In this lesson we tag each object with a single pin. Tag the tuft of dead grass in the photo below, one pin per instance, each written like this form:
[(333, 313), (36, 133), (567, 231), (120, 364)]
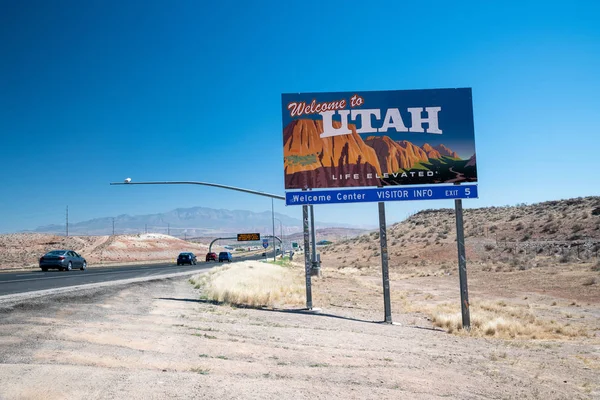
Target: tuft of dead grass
[(252, 284), (499, 320)]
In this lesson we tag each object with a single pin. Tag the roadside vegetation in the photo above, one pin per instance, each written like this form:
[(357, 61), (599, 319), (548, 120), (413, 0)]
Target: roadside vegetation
[(252, 284), (536, 266), (501, 320)]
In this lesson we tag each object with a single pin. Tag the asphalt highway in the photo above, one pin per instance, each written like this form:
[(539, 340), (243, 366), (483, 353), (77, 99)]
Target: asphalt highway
[(30, 281), (21, 282)]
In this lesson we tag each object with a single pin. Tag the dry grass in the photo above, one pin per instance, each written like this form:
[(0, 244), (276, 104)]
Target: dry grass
[(497, 319), (252, 284)]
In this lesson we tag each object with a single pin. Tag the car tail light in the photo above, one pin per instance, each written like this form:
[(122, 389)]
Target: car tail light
[(61, 257)]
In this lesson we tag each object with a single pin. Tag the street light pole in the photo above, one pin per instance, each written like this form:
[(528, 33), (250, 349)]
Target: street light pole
[(281, 233), (273, 220), (273, 196)]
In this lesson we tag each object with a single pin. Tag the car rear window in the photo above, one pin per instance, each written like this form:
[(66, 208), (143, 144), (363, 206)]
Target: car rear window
[(55, 253)]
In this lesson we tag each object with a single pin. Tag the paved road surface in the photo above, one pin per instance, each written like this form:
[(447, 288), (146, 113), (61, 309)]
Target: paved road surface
[(21, 282), (29, 281)]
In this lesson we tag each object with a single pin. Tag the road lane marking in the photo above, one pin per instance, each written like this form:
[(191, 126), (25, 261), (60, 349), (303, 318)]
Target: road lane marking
[(68, 276), (65, 289), (33, 273)]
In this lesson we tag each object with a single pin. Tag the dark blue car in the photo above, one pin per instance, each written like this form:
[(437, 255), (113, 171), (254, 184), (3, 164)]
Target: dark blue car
[(63, 260), (186, 258)]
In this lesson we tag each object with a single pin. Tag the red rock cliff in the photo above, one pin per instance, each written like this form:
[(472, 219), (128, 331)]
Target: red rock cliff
[(308, 156)]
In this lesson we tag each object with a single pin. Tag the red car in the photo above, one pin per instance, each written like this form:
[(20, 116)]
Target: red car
[(211, 257)]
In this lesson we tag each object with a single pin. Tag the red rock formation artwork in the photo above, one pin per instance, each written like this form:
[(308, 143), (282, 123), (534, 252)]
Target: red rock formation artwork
[(337, 161)]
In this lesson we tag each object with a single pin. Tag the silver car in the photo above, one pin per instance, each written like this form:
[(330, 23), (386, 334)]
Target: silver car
[(63, 260)]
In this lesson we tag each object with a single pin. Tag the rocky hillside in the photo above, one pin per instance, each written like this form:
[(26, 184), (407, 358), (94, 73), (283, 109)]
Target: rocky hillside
[(519, 236)]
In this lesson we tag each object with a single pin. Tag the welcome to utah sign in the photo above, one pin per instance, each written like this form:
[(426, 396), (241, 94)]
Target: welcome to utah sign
[(383, 138)]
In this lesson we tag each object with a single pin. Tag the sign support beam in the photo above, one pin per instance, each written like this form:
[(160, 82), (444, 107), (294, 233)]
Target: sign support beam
[(307, 263), (462, 265), (384, 264), (313, 240)]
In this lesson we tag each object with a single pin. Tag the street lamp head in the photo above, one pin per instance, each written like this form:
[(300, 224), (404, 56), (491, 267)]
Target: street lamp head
[(128, 180)]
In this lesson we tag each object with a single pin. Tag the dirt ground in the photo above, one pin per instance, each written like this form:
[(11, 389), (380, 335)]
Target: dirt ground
[(157, 340)]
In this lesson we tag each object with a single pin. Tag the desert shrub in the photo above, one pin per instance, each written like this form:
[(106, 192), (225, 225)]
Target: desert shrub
[(519, 226), (589, 281), (565, 258), (489, 246), (576, 228), (547, 228)]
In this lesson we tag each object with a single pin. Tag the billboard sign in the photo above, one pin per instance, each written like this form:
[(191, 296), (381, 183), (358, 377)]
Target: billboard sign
[(247, 237), (369, 195), (378, 138)]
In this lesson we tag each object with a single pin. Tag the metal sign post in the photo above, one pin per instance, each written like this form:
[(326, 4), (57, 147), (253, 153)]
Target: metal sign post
[(384, 264), (307, 263), (462, 265), (313, 239)]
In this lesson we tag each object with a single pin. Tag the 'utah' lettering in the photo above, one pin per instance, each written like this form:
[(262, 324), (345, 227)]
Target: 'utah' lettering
[(391, 120)]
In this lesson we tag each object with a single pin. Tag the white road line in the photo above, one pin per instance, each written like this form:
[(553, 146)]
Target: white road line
[(37, 293), (67, 275)]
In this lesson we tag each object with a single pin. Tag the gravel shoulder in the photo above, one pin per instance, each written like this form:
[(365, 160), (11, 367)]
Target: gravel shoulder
[(157, 340)]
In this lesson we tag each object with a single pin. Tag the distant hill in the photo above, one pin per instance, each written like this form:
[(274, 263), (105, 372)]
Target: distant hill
[(187, 222), (329, 234), (522, 235)]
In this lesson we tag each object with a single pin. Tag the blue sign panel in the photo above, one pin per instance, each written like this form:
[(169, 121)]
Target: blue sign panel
[(381, 194), (265, 243)]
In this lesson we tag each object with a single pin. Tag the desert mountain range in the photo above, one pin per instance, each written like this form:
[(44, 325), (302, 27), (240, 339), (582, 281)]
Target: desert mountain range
[(187, 222)]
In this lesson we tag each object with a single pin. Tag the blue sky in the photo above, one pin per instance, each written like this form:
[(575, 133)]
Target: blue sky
[(96, 91)]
